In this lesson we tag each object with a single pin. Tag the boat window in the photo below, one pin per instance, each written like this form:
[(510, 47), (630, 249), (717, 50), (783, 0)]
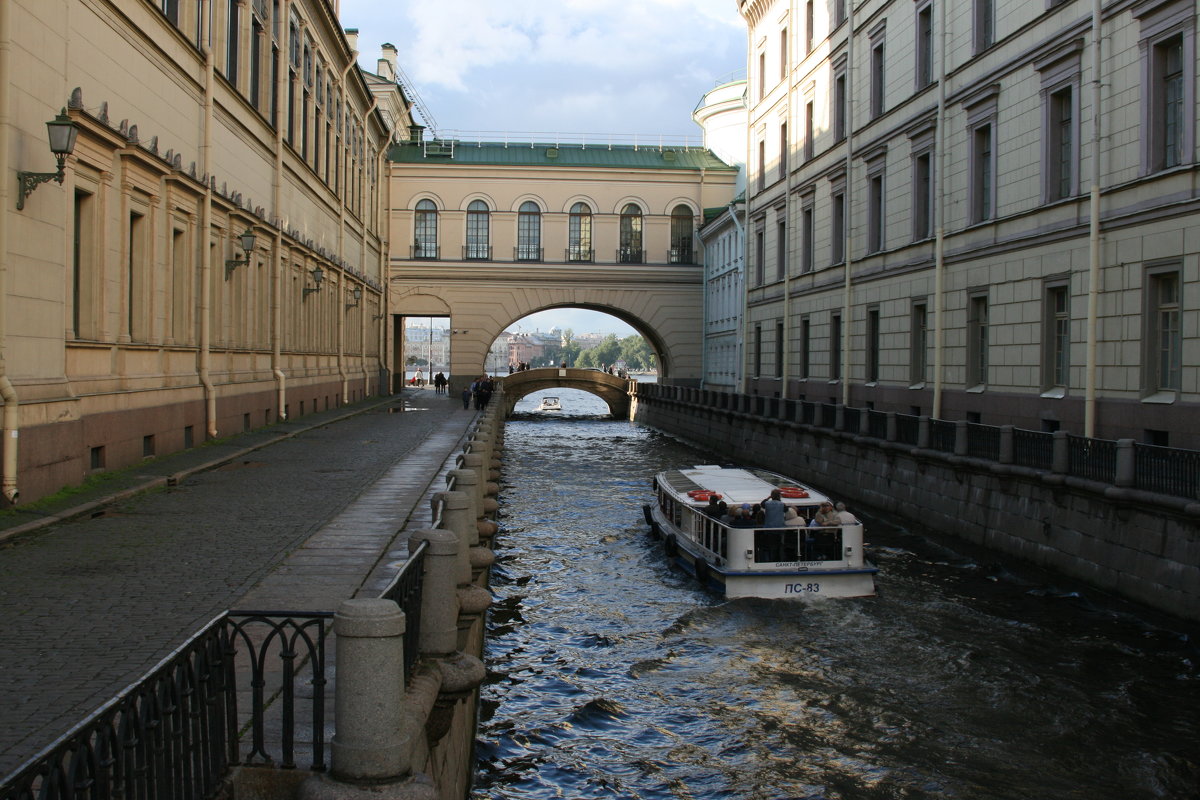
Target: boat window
[(797, 544)]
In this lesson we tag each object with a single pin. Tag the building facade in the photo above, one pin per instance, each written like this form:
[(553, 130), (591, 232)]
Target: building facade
[(979, 210), (138, 319), (495, 231)]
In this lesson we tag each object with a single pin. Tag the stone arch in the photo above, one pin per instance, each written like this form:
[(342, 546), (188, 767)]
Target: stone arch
[(612, 390), (419, 196), (473, 196), (581, 198), (529, 198), (680, 201), (619, 206)]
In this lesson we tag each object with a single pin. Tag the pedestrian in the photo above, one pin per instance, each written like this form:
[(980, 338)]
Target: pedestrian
[(466, 398)]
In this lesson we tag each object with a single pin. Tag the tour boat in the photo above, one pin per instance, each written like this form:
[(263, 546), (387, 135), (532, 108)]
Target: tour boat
[(550, 404), (740, 559)]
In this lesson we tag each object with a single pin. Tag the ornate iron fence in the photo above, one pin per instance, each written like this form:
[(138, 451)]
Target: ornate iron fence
[(1033, 449), (1167, 470), (908, 429), (983, 441), (1095, 459)]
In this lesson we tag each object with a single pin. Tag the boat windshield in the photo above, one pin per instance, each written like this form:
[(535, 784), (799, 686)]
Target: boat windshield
[(797, 544)]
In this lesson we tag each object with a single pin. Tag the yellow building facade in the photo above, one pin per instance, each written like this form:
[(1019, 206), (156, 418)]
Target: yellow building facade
[(134, 321)]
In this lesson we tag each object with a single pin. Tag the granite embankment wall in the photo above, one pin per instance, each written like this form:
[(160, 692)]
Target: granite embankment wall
[(1137, 544)]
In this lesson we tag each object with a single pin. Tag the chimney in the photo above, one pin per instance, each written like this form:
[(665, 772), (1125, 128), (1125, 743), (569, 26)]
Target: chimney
[(352, 39), (386, 68), (416, 132)]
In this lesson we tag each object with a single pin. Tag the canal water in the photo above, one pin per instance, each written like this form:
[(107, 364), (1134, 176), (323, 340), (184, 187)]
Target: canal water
[(970, 675)]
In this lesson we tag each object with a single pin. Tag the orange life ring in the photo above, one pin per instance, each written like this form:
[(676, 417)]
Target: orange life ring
[(703, 495), (792, 492)]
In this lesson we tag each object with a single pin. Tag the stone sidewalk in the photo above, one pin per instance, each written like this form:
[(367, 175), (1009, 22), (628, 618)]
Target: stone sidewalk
[(97, 588)]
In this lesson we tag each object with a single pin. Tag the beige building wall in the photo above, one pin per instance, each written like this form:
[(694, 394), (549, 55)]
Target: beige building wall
[(124, 334), (655, 286), (1006, 318)]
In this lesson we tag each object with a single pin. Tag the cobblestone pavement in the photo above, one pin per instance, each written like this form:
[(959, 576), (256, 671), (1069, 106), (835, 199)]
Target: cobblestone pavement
[(297, 516)]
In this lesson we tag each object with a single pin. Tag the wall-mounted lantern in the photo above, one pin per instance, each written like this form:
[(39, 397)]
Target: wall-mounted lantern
[(357, 295), (318, 276), (62, 133), (247, 242)]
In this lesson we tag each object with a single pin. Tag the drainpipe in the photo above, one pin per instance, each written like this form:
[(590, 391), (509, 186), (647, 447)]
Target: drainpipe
[(277, 280), (784, 356), (741, 232), (847, 253), (12, 403), (341, 248), (1089, 402), (210, 392), (939, 217)]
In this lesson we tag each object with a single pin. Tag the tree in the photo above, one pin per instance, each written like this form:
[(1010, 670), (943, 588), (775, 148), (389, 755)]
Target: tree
[(608, 351)]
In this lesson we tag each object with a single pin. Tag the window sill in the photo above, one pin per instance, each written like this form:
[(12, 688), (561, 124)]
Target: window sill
[(1057, 393), (919, 385), (980, 389), (1165, 397)]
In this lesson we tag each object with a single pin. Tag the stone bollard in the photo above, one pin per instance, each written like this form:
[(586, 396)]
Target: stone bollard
[(1126, 472), (488, 490), (1061, 458), (439, 614), (456, 518), (466, 481)]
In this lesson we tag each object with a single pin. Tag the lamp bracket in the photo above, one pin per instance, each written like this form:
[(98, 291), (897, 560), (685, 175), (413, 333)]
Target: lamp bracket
[(28, 181)]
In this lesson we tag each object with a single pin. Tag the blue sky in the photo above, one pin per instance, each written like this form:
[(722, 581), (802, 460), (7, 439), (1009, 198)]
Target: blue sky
[(557, 66)]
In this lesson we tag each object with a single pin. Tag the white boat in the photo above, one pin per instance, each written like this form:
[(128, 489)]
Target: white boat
[(739, 558), (550, 404)]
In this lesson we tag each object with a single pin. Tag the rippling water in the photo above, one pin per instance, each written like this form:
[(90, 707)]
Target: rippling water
[(612, 675)]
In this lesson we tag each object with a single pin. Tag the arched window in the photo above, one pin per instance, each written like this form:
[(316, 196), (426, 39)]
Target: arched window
[(478, 232), (529, 232), (631, 235), (579, 234), (425, 230), (681, 236)]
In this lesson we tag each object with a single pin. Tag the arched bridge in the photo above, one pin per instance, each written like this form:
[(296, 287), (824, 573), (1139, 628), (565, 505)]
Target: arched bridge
[(609, 388)]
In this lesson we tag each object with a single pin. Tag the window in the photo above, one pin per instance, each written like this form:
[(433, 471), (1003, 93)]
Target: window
[(839, 12), (839, 105), (838, 228), (762, 75), (807, 231), (781, 250), (984, 24), (922, 203), (779, 349), (762, 165), (982, 173), (925, 46), (809, 27), (760, 257), (1056, 337), (529, 232), (873, 345), (977, 341), (631, 235), (805, 348), (783, 54), (835, 347), (478, 231), (170, 9), (877, 77), (181, 292), (1164, 335), (425, 240), (233, 41), (810, 148), (875, 219), (1169, 103), (138, 279), (256, 43), (757, 351), (1061, 144), (579, 233), (681, 236), (783, 150), (83, 275), (918, 343)]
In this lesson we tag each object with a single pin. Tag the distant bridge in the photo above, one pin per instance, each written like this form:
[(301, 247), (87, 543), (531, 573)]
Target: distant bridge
[(609, 388)]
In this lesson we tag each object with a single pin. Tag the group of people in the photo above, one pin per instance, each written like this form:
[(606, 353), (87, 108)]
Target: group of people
[(480, 391), (774, 513), (440, 381)]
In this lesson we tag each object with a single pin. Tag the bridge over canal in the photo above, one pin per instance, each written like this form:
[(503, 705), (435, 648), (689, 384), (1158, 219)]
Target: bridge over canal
[(609, 388)]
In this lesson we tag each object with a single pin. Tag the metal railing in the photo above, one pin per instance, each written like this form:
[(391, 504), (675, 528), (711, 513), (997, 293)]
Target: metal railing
[(524, 252), (406, 591), (1163, 470), (681, 255), (175, 732)]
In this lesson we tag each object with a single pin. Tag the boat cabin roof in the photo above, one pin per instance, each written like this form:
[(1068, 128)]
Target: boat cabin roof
[(736, 485)]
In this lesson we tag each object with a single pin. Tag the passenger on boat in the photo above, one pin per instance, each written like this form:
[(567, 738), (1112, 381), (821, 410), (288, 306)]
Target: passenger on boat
[(773, 510), (825, 517), (793, 518), (742, 517), (845, 517), (713, 509)]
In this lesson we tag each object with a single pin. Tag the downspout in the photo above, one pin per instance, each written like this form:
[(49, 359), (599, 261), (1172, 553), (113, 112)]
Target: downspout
[(365, 195), (1089, 402), (786, 145), (939, 218), (341, 250), (210, 392), (276, 204), (745, 319), (379, 222), (12, 403), (848, 238)]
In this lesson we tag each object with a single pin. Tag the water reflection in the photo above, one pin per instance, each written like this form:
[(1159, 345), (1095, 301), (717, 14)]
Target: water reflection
[(612, 675)]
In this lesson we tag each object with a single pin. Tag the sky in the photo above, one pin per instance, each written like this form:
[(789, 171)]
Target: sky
[(557, 66)]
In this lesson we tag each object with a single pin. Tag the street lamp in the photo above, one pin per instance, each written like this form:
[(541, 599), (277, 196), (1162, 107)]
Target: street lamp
[(357, 295), (247, 242), (318, 275), (62, 133)]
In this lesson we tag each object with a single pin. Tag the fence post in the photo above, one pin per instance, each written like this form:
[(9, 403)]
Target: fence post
[(1126, 463), (864, 421), (839, 417), (923, 427), (892, 433), (367, 745), (1061, 461), (1006, 444), (960, 437)]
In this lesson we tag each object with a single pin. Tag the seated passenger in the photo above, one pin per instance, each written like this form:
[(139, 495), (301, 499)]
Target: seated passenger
[(825, 517), (845, 517), (713, 509), (792, 518), (745, 517)]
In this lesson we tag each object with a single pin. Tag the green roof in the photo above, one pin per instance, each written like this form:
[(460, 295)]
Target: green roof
[(442, 151)]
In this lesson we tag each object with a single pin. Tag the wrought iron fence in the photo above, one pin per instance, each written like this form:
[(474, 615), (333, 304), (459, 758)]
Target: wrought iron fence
[(175, 732), (876, 424), (983, 441), (808, 412), (1033, 449), (1095, 459), (942, 434), (406, 591), (850, 419), (1166, 469), (908, 429)]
